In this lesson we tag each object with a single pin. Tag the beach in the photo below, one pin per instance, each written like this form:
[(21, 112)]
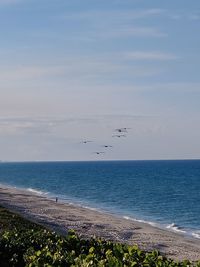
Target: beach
[(60, 217)]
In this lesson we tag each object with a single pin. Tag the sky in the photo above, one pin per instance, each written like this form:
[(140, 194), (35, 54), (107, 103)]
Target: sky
[(77, 70)]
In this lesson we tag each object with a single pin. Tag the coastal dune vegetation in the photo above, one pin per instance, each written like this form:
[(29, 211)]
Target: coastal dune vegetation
[(24, 243)]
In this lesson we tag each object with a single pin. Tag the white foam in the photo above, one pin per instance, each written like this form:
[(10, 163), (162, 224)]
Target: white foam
[(127, 218), (38, 192), (89, 208), (175, 228), (142, 221), (196, 234)]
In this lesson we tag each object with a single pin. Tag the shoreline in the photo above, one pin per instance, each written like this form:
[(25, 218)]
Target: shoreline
[(172, 227), (61, 216)]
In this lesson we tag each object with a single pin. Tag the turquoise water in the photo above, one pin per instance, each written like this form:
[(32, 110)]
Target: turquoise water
[(164, 193)]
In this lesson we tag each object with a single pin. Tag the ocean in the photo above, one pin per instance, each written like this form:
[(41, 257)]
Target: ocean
[(163, 193)]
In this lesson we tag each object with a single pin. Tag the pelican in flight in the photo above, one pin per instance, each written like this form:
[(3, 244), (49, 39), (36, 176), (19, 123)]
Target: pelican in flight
[(99, 152), (85, 142), (119, 135), (122, 130)]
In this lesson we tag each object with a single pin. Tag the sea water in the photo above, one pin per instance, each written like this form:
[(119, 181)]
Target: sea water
[(162, 193)]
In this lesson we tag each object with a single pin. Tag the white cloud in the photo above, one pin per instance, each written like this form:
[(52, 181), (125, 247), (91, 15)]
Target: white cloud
[(74, 127), (116, 15), (117, 32), (149, 137), (182, 15), (18, 126), (28, 72), (87, 68), (117, 24), (178, 87), (132, 31), (175, 16), (194, 17), (149, 55)]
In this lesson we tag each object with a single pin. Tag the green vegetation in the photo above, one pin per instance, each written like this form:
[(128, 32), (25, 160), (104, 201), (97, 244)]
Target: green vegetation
[(23, 243)]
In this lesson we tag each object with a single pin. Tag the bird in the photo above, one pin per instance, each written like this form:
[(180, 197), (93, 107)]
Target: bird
[(106, 146), (99, 152), (122, 130), (119, 135), (86, 141)]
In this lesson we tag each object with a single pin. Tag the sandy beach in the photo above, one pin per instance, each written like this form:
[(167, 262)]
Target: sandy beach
[(62, 216)]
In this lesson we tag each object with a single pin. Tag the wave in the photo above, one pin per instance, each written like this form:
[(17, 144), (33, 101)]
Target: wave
[(32, 190), (89, 208), (142, 221), (196, 234), (175, 227), (74, 202), (172, 226), (35, 191)]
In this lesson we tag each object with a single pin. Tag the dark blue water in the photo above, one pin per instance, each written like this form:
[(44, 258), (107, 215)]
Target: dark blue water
[(163, 192)]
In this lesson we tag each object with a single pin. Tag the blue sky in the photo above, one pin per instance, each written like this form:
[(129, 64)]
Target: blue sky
[(76, 70)]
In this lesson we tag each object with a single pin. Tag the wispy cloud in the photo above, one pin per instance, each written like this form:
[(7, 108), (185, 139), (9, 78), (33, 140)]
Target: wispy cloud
[(149, 55), (194, 16), (182, 15), (131, 31), (58, 126), (117, 23), (130, 15), (186, 87), (117, 32), (87, 68), (20, 125), (123, 16), (116, 15), (178, 87), (28, 72)]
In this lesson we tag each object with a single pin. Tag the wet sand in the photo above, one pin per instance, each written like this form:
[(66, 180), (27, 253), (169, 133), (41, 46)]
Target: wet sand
[(62, 216)]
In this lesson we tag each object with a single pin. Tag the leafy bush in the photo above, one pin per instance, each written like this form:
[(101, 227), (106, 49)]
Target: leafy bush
[(23, 243), (44, 248)]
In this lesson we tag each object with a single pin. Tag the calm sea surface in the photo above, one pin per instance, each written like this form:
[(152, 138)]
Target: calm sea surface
[(165, 193)]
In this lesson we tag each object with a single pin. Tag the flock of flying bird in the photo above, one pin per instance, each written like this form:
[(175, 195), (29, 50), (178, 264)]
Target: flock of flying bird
[(119, 132)]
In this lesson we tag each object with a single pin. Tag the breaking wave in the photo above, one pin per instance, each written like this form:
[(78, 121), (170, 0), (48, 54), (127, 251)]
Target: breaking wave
[(176, 228), (35, 191)]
